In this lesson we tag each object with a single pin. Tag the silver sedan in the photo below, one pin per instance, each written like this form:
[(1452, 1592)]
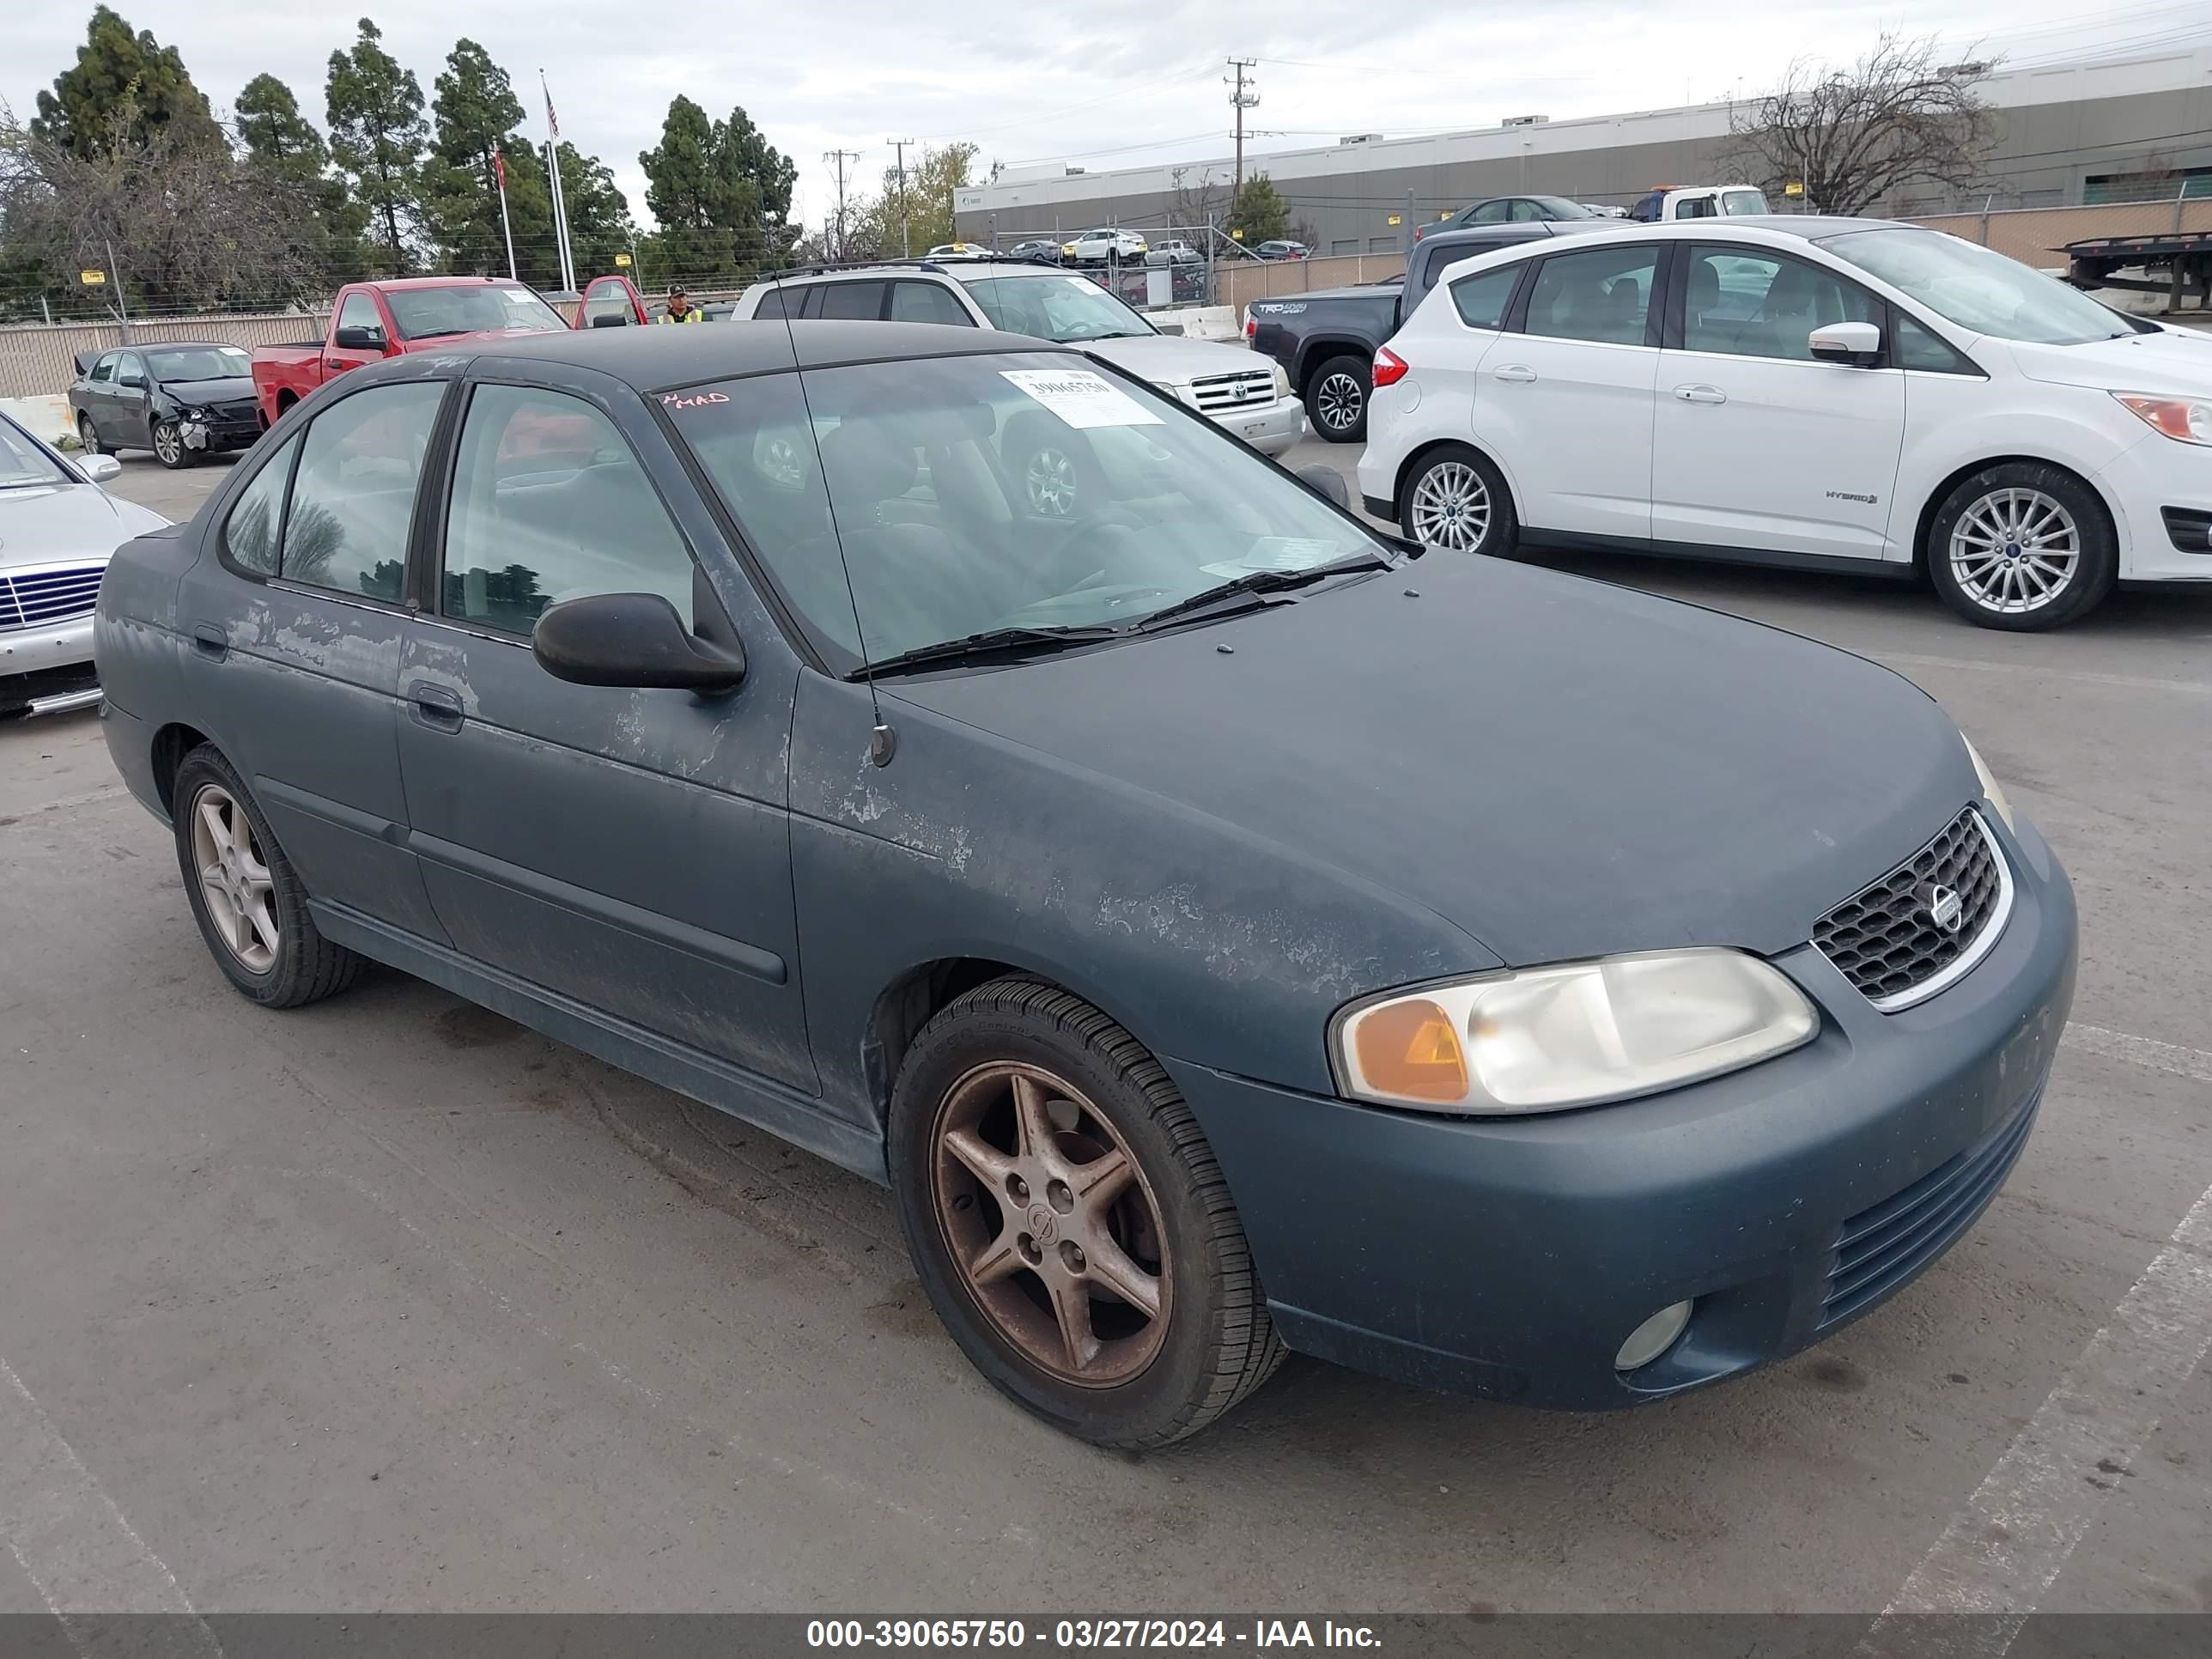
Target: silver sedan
[(57, 529)]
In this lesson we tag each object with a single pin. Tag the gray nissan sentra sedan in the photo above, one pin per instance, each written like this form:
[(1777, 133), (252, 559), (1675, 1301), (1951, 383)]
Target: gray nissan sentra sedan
[(1222, 930)]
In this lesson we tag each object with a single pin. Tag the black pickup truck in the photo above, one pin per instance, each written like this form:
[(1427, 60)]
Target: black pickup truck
[(1326, 340)]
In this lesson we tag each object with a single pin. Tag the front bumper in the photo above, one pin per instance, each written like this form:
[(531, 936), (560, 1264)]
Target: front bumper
[(203, 432), (56, 645), (2143, 481), (1511, 1256), (1271, 430)]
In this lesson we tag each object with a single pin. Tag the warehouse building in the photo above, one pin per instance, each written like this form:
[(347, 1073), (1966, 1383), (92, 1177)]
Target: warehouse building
[(2101, 130)]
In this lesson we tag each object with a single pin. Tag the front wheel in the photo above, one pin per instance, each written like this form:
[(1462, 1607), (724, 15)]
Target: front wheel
[(1069, 1222), (1336, 398), (169, 446), (1457, 500), (2022, 547)]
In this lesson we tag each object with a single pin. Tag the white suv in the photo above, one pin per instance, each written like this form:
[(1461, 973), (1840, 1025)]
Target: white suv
[(1248, 396), (1843, 394)]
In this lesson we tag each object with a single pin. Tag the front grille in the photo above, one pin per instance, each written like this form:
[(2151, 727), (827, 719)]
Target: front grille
[(34, 598), (1881, 1247), (1885, 938), (1246, 389), (239, 411)]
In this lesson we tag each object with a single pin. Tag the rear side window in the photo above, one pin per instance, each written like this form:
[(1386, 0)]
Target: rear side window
[(249, 534), (853, 302), (927, 303), (774, 303), (103, 370), (1481, 300), (1603, 294), (549, 504), (354, 496)]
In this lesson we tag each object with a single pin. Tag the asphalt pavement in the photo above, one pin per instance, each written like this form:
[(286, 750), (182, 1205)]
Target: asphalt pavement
[(389, 1303)]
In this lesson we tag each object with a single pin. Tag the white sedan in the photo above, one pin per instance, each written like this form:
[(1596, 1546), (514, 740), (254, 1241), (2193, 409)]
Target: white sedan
[(57, 529), (1840, 394)]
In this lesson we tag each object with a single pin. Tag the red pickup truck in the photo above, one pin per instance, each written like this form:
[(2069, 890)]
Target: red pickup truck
[(370, 321)]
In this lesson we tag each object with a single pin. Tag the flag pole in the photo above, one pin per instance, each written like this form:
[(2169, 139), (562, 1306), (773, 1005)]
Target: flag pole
[(560, 201), (499, 167)]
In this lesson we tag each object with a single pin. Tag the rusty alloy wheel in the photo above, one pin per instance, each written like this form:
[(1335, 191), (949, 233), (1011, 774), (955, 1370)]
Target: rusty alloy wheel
[(1052, 1224)]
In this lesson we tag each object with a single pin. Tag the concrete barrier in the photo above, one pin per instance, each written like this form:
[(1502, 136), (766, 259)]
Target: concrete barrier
[(47, 416)]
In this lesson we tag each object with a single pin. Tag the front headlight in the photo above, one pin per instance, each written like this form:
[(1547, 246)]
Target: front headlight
[(1548, 1038), (1991, 792), (1282, 382), (2186, 420)]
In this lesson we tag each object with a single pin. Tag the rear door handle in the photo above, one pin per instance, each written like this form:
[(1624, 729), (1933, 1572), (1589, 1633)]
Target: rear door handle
[(336, 362), (434, 707), (1519, 373), (211, 641), (1701, 394)]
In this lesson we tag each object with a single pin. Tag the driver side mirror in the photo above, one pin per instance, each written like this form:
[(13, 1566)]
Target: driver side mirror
[(358, 336), (1857, 343), (634, 640), (137, 382), (1327, 481)]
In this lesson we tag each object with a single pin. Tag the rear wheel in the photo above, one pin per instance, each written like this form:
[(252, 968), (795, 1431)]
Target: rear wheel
[(2022, 546), (1070, 1223), (1336, 398), (1455, 500), (87, 435), (248, 901)]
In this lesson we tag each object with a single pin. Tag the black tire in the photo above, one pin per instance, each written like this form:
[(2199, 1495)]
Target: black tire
[(1972, 583), (1337, 395), (307, 967), (87, 435), (1501, 527), (1218, 1344), (169, 446)]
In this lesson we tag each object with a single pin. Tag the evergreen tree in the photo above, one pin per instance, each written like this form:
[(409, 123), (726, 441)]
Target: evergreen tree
[(124, 87), (1261, 212), (283, 144), (377, 135)]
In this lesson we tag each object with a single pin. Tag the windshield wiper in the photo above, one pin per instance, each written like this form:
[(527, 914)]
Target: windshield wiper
[(441, 333), (992, 642), (1254, 584)]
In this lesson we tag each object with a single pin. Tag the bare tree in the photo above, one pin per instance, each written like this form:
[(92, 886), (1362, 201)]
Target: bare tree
[(1854, 136), (189, 224), (1196, 204)]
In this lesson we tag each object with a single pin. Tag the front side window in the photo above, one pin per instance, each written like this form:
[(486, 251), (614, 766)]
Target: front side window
[(1492, 213), (1602, 294), (131, 371), (548, 503), (354, 496), (1055, 306), (1759, 305), (852, 301), (359, 311), (969, 494), (608, 300), (427, 314), (1481, 300), (249, 534), (1977, 289), (1915, 346), (927, 303)]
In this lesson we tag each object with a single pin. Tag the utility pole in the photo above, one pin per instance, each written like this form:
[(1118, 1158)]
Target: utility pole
[(1242, 96), (837, 158), (906, 240)]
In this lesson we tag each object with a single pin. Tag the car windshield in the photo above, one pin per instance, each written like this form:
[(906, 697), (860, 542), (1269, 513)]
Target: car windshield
[(424, 314), (24, 461), (972, 493), (1060, 308), (1977, 289), (200, 363)]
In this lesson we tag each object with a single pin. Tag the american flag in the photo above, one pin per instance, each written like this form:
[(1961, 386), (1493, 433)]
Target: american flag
[(499, 164), (552, 122)]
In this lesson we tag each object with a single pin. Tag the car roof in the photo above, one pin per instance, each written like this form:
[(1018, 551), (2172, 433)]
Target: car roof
[(953, 266), (388, 282), (657, 359)]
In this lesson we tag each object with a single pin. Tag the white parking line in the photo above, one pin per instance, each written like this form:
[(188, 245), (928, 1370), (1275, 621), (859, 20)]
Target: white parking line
[(2006, 1547), (2141, 1051), (71, 1541)]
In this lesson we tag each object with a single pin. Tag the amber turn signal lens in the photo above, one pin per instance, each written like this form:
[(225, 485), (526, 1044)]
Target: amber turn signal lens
[(1408, 1050)]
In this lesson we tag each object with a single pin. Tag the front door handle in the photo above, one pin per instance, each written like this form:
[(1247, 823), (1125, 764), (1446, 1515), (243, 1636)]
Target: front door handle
[(336, 362), (1701, 394), (434, 707), (1518, 374), (211, 641)]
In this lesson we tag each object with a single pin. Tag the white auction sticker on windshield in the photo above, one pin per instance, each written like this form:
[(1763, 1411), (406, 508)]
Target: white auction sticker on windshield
[(1080, 398)]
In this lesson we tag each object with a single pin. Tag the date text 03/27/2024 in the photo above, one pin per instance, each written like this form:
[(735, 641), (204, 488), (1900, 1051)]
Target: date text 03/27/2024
[(1003, 1633)]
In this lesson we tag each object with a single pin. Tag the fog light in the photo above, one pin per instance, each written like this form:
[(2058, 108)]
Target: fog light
[(1652, 1337)]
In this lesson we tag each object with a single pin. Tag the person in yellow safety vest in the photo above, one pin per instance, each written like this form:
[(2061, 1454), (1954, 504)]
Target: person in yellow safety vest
[(680, 308)]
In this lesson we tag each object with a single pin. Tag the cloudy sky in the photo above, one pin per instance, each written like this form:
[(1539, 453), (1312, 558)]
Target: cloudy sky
[(1100, 82)]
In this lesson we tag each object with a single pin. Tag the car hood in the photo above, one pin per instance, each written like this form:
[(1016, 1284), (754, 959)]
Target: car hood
[(1166, 360), (2172, 360), (202, 394), (1561, 767), (41, 524)]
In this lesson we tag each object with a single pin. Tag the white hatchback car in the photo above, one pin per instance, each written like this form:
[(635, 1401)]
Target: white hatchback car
[(1843, 394)]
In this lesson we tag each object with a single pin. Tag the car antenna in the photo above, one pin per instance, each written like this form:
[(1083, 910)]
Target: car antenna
[(883, 741)]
